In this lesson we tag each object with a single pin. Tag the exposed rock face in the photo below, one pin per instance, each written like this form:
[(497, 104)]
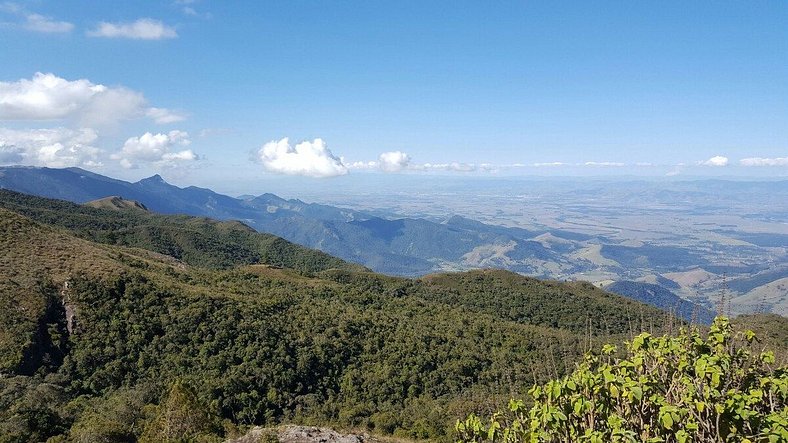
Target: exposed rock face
[(299, 434), (70, 308)]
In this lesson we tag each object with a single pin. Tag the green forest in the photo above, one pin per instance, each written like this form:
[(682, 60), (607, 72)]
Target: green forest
[(120, 325)]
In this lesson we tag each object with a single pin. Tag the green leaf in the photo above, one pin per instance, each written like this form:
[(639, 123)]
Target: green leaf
[(637, 392), (667, 421)]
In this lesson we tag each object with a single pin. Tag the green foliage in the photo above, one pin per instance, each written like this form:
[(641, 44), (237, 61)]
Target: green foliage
[(577, 306), (180, 417), (667, 389)]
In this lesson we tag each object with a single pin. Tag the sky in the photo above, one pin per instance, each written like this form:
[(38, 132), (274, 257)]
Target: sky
[(240, 95)]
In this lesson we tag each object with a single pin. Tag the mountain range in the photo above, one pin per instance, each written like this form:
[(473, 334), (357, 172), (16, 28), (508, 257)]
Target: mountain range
[(400, 246), (411, 246)]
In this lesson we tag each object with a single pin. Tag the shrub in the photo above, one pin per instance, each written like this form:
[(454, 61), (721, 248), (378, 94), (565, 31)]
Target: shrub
[(666, 389)]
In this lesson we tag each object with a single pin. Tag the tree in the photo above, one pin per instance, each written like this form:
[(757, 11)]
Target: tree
[(180, 417)]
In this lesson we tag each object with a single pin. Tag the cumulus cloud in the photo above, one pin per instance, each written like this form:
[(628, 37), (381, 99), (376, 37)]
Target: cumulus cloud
[(760, 161), (717, 160), (310, 159), (49, 97), (40, 23), (55, 147), (157, 149), (142, 29), (393, 161)]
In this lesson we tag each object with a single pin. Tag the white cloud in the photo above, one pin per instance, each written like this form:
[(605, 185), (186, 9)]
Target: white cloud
[(453, 166), (717, 160), (360, 164), (56, 147), (760, 161), (549, 164), (393, 161), (311, 159), (156, 149), (164, 116), (142, 29), (398, 161), (36, 22), (40, 23), (603, 164), (49, 97)]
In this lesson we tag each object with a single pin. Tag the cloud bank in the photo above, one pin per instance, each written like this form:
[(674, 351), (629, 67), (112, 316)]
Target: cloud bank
[(760, 161), (56, 147), (309, 159)]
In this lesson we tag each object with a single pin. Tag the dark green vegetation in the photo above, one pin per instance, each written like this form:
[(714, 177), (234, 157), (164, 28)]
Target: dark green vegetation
[(688, 388), (105, 336)]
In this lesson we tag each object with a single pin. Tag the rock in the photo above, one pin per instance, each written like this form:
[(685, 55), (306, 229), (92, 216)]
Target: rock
[(299, 434)]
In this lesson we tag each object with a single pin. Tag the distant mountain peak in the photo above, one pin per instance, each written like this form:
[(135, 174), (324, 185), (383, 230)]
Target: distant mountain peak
[(154, 178)]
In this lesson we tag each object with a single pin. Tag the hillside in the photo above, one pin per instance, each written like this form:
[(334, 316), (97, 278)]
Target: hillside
[(116, 202), (196, 241), (102, 339)]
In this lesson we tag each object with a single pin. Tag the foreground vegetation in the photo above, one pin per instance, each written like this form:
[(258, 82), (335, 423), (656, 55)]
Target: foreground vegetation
[(131, 326), (665, 389)]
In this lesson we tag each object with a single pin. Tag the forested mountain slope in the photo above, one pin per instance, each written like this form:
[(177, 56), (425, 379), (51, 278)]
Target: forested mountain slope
[(194, 240), (106, 340)]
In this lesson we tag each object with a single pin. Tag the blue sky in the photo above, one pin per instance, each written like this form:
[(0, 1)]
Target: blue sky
[(206, 92)]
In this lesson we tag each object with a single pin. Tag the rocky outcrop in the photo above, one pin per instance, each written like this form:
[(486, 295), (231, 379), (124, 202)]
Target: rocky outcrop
[(300, 434)]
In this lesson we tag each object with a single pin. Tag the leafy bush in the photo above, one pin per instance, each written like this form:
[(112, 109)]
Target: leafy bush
[(667, 389)]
